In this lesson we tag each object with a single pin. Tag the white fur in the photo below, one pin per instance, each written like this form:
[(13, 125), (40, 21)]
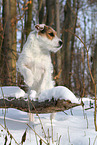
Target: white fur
[(34, 62)]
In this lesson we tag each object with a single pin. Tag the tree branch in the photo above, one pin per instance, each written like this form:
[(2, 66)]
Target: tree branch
[(36, 107)]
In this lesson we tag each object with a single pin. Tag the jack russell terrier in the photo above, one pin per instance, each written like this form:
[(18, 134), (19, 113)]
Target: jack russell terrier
[(34, 62)]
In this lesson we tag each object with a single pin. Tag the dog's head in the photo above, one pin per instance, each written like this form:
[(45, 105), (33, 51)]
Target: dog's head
[(47, 38)]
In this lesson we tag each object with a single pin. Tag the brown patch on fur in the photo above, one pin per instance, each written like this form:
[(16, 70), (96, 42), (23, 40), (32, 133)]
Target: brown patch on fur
[(48, 32)]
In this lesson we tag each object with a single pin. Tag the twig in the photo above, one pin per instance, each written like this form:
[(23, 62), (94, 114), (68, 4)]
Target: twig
[(9, 133), (3, 97), (89, 72), (52, 131), (68, 135), (89, 108), (87, 53), (95, 140), (36, 134), (39, 119)]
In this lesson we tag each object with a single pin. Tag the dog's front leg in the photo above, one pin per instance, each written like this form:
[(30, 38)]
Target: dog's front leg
[(27, 74)]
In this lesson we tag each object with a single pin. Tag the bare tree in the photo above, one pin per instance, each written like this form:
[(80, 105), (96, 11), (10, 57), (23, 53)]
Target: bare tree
[(58, 55), (94, 67), (69, 24), (53, 19), (8, 51), (50, 12), (28, 18), (41, 11)]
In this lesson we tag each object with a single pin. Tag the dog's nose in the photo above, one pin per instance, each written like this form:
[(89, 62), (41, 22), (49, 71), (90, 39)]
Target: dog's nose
[(60, 42)]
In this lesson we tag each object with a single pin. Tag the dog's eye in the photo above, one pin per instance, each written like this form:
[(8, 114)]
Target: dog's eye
[(51, 34)]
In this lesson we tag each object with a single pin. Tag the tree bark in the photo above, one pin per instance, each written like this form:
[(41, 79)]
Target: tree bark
[(69, 24), (94, 68), (53, 20), (35, 106), (29, 18), (8, 51), (50, 12), (58, 55), (75, 14), (41, 11), (66, 45)]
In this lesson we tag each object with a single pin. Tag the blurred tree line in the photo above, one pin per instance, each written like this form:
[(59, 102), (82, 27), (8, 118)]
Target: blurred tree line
[(68, 18)]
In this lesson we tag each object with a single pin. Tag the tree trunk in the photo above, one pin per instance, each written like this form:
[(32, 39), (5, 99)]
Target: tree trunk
[(8, 52), (50, 21), (29, 18), (50, 12), (41, 11), (53, 20), (1, 40), (94, 68), (69, 24), (66, 45), (58, 55), (75, 14)]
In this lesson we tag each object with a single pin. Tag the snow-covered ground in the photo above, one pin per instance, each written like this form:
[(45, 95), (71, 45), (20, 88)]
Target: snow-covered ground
[(72, 127)]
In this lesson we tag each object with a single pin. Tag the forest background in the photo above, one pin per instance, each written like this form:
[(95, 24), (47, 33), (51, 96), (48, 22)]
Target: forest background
[(69, 18)]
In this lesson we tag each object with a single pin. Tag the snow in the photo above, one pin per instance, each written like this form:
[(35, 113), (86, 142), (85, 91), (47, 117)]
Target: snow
[(75, 126), (11, 91), (59, 92)]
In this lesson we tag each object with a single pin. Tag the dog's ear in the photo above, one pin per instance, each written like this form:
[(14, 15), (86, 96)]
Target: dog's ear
[(40, 27)]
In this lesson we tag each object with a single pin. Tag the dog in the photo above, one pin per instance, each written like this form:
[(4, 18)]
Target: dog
[(34, 62)]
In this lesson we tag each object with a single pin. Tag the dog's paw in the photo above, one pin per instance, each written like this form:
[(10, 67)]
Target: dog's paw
[(33, 95)]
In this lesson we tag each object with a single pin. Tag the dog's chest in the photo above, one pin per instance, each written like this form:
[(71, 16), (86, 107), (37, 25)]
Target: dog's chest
[(42, 65), (43, 61)]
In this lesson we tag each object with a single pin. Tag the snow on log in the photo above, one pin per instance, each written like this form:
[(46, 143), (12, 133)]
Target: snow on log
[(53, 100)]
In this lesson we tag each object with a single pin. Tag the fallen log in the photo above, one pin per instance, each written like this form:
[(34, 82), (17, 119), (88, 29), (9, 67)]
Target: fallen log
[(26, 105)]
